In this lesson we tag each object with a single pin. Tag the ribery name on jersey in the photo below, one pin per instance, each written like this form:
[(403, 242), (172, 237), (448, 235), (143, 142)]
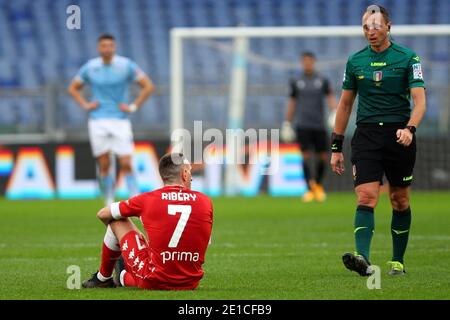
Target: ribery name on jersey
[(179, 256), (178, 196)]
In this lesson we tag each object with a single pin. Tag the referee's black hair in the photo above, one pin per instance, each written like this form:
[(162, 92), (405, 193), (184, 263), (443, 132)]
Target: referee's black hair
[(106, 36), (308, 54)]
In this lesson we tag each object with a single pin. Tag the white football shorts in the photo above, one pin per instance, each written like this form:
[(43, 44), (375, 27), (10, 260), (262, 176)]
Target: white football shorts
[(111, 135)]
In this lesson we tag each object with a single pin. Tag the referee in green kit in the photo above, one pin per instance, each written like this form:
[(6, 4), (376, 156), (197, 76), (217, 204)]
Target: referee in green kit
[(384, 75)]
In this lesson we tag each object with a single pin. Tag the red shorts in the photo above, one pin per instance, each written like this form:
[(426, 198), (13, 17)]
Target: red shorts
[(139, 268)]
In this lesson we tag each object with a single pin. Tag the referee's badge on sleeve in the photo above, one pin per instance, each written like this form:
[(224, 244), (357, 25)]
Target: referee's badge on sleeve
[(417, 71)]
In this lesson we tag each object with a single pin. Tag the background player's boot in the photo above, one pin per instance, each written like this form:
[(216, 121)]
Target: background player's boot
[(357, 263), (397, 268), (308, 196), (319, 192), (94, 282), (120, 265)]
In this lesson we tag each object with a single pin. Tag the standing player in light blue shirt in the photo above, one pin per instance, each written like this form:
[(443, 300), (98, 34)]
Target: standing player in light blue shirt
[(109, 77)]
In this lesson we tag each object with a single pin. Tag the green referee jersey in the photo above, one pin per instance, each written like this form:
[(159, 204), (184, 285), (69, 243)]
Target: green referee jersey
[(383, 81)]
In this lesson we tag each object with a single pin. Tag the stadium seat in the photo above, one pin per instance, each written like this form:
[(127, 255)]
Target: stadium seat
[(33, 52)]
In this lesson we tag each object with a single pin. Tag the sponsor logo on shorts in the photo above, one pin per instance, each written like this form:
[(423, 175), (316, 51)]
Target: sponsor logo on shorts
[(407, 178), (180, 256), (354, 172)]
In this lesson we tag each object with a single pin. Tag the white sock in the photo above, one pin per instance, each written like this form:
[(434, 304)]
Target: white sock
[(121, 278), (102, 278), (110, 240)]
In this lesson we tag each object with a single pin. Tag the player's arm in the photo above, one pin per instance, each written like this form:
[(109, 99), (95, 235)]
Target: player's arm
[(417, 91), (292, 101), (290, 110), (74, 90), (330, 97), (121, 210), (331, 101), (105, 215), (287, 132), (344, 109), (146, 88), (405, 136), (418, 96)]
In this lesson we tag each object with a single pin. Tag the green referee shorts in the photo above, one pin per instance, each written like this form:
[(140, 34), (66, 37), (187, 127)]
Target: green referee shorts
[(375, 152)]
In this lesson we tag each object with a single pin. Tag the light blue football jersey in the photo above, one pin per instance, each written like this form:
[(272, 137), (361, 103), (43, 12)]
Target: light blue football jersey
[(109, 84)]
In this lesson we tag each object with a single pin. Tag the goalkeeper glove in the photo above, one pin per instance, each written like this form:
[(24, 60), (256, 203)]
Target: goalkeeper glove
[(287, 132)]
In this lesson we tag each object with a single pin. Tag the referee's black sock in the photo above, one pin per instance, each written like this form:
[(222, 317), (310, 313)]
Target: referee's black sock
[(364, 228), (401, 223)]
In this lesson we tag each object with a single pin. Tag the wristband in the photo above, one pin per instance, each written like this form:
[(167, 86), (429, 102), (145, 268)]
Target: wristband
[(411, 129), (337, 141), (132, 107)]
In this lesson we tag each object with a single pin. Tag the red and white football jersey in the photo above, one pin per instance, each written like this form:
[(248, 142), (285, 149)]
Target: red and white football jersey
[(178, 223)]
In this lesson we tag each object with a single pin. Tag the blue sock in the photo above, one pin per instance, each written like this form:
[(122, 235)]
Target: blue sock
[(132, 184), (107, 187)]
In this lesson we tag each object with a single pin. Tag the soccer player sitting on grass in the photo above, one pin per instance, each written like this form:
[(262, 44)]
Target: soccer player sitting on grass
[(178, 223)]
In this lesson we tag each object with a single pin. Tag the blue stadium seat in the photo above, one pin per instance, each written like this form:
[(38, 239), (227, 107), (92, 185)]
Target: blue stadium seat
[(8, 76), (28, 112), (8, 111), (36, 48)]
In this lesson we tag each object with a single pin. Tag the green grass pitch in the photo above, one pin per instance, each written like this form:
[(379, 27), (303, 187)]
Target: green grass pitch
[(262, 248)]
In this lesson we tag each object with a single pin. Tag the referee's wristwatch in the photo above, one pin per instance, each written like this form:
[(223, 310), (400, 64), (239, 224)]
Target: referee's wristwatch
[(411, 129)]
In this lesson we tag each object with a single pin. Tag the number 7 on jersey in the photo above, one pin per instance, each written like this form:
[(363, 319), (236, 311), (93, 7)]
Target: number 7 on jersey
[(185, 211)]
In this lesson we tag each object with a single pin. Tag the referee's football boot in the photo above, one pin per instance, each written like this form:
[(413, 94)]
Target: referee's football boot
[(94, 282), (397, 268), (357, 263)]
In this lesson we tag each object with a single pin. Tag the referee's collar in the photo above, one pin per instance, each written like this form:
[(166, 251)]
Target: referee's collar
[(382, 52)]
